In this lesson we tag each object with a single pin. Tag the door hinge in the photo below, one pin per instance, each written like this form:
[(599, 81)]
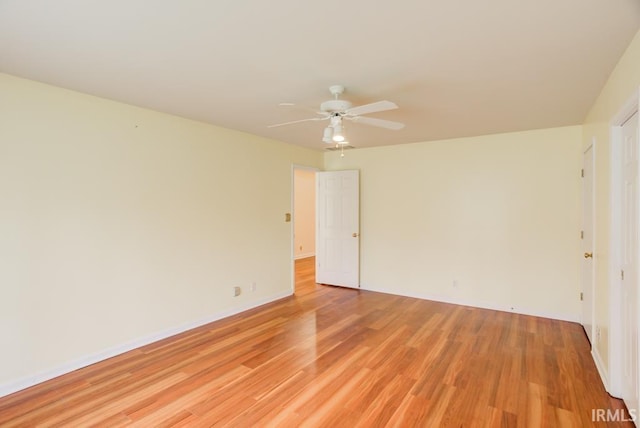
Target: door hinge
[(582, 234), (622, 274), (581, 296), (582, 173)]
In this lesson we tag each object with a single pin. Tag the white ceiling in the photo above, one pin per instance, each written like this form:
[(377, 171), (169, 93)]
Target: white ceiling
[(455, 68)]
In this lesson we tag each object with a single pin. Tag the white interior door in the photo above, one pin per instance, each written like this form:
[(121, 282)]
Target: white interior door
[(587, 242), (629, 262), (338, 228)]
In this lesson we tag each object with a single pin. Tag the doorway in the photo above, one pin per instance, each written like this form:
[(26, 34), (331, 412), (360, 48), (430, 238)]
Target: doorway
[(304, 226)]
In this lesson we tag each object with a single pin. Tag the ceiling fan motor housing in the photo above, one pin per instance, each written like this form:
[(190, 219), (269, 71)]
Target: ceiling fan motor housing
[(332, 106)]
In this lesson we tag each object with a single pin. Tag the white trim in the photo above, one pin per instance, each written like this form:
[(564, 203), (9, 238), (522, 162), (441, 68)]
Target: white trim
[(615, 298), (87, 360), (627, 110), (593, 234), (615, 295), (477, 304), (602, 368), (305, 255)]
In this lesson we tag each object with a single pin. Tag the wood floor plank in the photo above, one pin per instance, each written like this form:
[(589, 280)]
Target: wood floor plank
[(334, 357)]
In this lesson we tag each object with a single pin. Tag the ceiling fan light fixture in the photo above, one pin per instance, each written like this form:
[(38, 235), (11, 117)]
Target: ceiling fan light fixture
[(338, 133)]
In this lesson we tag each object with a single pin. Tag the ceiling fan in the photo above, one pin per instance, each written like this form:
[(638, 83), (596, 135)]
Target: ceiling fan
[(336, 111)]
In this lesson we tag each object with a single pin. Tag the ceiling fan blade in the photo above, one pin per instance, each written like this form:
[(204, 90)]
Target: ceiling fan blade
[(371, 108), (381, 123), (298, 121), (294, 106)]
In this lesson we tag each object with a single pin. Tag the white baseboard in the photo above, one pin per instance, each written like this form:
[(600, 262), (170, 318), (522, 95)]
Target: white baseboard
[(477, 304), (28, 381), (602, 369), (304, 255)]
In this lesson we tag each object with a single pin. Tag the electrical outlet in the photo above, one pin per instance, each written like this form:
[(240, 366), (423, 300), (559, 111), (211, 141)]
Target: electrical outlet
[(454, 284), (237, 291), (598, 334), (253, 286)]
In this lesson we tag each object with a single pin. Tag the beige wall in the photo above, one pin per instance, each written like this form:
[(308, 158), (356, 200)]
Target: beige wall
[(622, 83), (489, 221), (304, 213), (120, 224)]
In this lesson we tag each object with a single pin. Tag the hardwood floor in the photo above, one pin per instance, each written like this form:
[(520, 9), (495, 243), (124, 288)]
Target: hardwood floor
[(337, 358)]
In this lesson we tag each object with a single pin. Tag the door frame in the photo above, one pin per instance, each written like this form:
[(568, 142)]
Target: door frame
[(591, 232), (614, 382), (294, 167)]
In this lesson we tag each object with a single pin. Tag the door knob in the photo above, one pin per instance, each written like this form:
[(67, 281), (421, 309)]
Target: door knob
[(588, 255), (355, 235)]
